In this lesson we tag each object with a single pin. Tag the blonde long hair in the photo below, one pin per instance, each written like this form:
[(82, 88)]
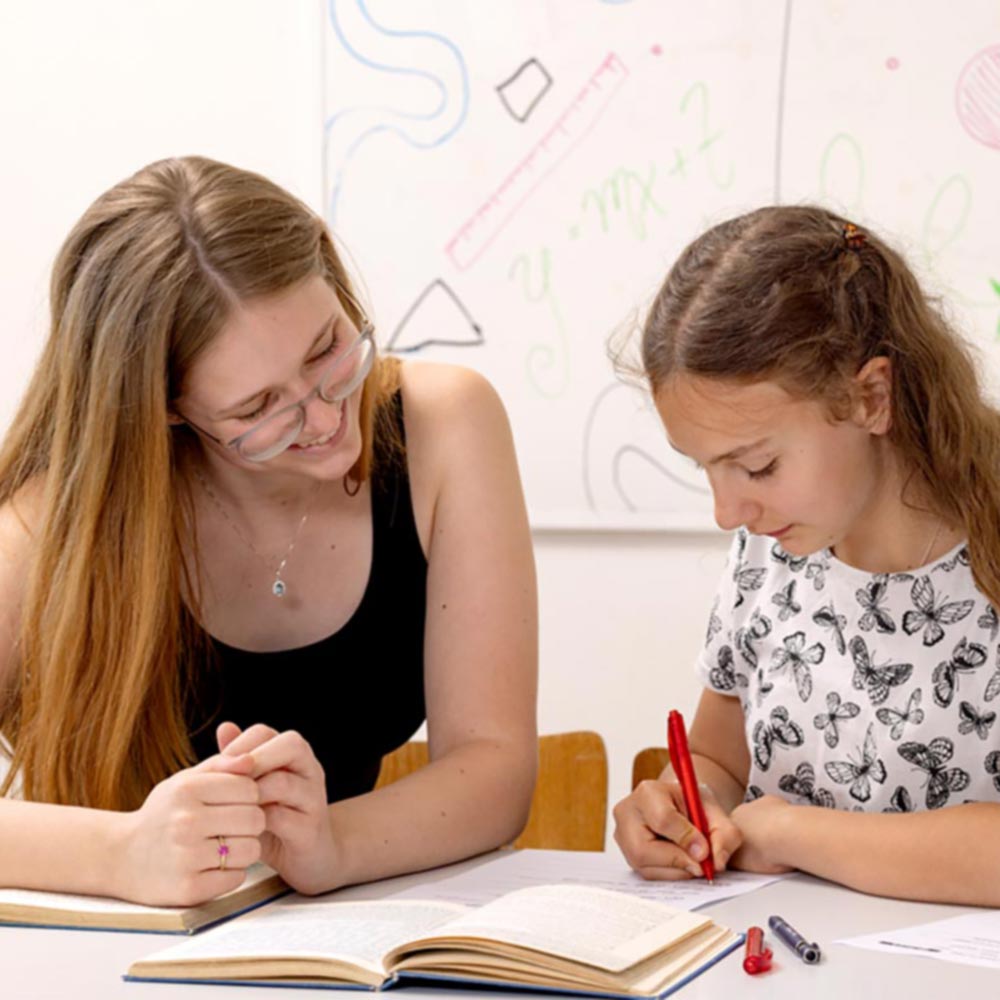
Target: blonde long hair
[(792, 294), (141, 286)]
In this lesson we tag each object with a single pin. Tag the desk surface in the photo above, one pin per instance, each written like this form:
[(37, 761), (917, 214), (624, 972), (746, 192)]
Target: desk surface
[(87, 965)]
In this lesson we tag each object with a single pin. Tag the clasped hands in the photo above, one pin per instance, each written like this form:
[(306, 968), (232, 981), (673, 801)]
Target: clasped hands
[(264, 794), (659, 842)]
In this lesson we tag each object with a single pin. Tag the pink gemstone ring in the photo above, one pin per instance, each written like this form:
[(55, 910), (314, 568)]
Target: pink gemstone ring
[(223, 851)]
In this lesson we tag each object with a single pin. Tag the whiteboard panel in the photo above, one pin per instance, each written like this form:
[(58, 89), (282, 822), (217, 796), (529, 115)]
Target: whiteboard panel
[(512, 182)]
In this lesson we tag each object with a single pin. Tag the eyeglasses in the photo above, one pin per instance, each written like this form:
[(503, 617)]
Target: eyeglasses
[(277, 432)]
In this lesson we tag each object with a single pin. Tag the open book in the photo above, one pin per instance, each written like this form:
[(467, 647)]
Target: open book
[(569, 938), (55, 909)]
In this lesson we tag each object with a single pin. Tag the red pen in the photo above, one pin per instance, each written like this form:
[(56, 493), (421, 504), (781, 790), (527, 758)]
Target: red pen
[(680, 757)]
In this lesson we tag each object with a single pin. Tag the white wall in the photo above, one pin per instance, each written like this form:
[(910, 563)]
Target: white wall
[(94, 90), (623, 617)]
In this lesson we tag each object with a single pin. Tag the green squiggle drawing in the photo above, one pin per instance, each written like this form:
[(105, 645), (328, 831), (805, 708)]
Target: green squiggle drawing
[(937, 237), (699, 92), (626, 188), (544, 358), (848, 198)]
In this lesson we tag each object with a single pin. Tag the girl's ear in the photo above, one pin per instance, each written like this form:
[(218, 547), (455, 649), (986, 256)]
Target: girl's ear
[(873, 389), (173, 419)]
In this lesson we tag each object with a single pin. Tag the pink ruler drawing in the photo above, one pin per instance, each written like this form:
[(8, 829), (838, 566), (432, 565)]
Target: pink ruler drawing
[(569, 129)]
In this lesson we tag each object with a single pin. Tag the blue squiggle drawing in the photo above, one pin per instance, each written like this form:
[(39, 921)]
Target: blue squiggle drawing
[(337, 122)]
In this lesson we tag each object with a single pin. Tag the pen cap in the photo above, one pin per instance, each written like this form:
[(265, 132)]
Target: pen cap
[(757, 958)]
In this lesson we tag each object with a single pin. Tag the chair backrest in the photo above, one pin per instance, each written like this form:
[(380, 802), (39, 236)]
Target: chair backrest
[(649, 763), (569, 806)]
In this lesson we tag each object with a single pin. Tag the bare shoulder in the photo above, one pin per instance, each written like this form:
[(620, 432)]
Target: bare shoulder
[(446, 408), (436, 392), (458, 443)]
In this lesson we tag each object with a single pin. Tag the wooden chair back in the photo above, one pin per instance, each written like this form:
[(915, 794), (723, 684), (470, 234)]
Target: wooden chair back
[(649, 764), (569, 806)]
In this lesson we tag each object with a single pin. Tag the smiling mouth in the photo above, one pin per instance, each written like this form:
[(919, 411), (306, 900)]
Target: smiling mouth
[(777, 533), (327, 438)]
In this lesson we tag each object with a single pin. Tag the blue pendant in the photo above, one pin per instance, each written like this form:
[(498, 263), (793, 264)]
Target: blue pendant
[(278, 589)]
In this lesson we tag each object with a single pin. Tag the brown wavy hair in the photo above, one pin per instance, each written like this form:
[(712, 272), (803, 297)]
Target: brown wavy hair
[(143, 283), (790, 294)]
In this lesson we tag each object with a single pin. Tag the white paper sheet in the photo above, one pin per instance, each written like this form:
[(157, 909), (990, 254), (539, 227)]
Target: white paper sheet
[(603, 870), (972, 939)]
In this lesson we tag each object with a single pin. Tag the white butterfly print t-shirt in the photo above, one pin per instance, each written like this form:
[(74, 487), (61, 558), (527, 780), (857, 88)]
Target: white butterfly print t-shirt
[(865, 691)]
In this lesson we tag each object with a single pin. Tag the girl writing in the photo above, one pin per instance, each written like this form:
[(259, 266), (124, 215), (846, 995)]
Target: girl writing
[(848, 725)]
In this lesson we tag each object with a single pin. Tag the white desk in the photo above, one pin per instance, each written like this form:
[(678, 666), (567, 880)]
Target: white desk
[(88, 965)]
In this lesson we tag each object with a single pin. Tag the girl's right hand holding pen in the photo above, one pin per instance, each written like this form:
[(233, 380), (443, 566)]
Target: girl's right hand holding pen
[(659, 841)]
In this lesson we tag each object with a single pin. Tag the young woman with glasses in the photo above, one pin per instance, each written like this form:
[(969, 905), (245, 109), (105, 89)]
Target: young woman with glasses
[(242, 557)]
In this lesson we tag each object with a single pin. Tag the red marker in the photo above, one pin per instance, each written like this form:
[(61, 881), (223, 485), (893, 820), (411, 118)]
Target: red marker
[(680, 757), (757, 958)]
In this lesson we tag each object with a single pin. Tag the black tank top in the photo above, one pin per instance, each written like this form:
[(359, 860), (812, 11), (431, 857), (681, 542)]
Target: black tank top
[(357, 694)]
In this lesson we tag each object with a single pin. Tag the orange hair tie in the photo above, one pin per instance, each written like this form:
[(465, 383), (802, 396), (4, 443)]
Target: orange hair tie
[(854, 238)]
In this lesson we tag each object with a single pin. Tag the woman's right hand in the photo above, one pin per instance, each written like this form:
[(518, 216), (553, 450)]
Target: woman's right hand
[(659, 842), (170, 845)]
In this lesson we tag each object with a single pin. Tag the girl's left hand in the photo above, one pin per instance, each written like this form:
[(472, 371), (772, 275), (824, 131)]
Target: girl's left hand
[(759, 821), (298, 840)]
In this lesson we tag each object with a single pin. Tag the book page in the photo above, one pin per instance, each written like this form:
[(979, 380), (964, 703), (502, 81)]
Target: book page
[(604, 870), (68, 902), (606, 929), (356, 933)]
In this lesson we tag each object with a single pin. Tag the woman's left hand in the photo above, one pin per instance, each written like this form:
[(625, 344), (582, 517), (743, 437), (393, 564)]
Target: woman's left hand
[(298, 840), (759, 821)]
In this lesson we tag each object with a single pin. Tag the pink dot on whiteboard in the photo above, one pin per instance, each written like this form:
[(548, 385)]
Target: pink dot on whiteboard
[(892, 63), (657, 50), (977, 97)]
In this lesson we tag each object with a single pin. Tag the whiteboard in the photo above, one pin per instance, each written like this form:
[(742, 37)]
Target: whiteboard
[(513, 180)]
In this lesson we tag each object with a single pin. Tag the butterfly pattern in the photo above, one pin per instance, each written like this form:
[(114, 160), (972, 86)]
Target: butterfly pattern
[(876, 679), (747, 578), (993, 684), (780, 731), (723, 676), (747, 638), (900, 802), (827, 617), (973, 721), (898, 719), (871, 599), (836, 711), (931, 615), (802, 784), (990, 620), (816, 571), (871, 692), (991, 766), (941, 780), (795, 657), (787, 605), (794, 563), (860, 773), (967, 658)]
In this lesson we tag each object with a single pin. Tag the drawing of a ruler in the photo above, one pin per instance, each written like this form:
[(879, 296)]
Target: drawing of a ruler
[(569, 129)]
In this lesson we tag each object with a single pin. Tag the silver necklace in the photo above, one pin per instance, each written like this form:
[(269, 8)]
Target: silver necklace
[(930, 545), (279, 588)]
